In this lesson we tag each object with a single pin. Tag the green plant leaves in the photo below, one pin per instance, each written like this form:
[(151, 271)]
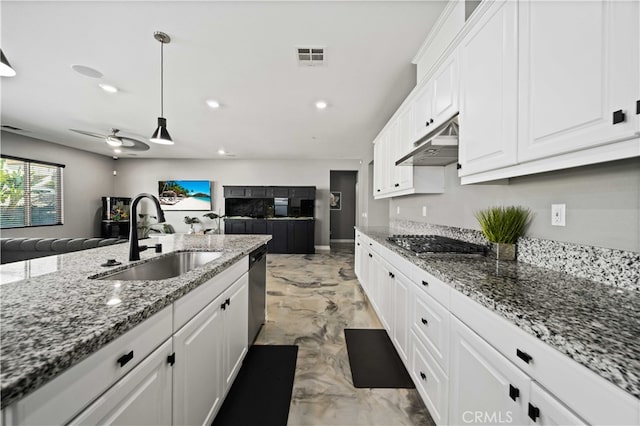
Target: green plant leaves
[(503, 224)]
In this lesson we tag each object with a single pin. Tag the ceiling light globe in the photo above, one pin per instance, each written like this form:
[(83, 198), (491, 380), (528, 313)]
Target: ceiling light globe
[(321, 104), (213, 104), (221, 151)]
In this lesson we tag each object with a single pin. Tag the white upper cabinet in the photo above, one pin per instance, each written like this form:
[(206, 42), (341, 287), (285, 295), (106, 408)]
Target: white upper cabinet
[(445, 88), (488, 91), (579, 80), (422, 107)]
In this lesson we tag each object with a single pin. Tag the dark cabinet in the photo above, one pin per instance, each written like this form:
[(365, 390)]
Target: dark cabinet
[(287, 236), (256, 192), (280, 192), (235, 191), (302, 192), (111, 229), (279, 236), (305, 192)]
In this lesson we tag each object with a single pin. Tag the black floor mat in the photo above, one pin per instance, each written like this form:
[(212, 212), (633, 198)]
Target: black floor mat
[(261, 393), (374, 361)]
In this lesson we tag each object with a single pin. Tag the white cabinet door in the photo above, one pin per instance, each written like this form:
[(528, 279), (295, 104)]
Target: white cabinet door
[(375, 274), (235, 317), (573, 78), (197, 372), (543, 409), (422, 107), (384, 296), (379, 166), (405, 138), (488, 91), (445, 87), (401, 305), (142, 397), (431, 382), (483, 383), (401, 146), (430, 321), (357, 258)]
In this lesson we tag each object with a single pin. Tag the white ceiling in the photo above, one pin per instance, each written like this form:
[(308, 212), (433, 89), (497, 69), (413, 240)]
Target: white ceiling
[(239, 53)]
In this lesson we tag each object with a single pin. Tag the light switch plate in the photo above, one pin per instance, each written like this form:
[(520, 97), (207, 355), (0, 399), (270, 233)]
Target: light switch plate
[(558, 214), (424, 210)]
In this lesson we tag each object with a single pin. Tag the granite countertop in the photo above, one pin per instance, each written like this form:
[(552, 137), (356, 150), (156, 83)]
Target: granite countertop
[(595, 324), (268, 218), (52, 315)]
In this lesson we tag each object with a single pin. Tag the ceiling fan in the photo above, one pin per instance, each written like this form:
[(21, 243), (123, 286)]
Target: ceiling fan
[(116, 141)]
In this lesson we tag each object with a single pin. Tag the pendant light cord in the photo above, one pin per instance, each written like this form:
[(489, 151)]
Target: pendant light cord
[(161, 79)]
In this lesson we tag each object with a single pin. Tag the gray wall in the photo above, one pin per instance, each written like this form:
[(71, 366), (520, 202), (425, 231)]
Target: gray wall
[(369, 211), (142, 175), (603, 203), (343, 220), (87, 178)]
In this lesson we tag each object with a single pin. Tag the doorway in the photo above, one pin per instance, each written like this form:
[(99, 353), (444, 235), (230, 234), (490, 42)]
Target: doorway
[(342, 200)]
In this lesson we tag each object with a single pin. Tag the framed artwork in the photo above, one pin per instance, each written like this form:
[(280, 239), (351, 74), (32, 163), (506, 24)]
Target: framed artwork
[(185, 194), (335, 200)]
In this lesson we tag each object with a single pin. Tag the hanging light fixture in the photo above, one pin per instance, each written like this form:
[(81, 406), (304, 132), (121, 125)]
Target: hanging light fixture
[(161, 135), (5, 67)]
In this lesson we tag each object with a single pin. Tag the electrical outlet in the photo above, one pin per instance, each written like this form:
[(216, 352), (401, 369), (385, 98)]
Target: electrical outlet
[(558, 214), (397, 209), (424, 210)]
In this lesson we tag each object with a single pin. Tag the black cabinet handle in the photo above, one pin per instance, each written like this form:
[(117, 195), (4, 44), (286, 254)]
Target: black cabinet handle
[(370, 255), (424, 283), (370, 244), (228, 302), (638, 107), (618, 116), (459, 166), (424, 321), (124, 359), (391, 275), (396, 185), (171, 359), (223, 306), (427, 123), (358, 243), (524, 356), (534, 412), (378, 190), (514, 392), (423, 376), (431, 120)]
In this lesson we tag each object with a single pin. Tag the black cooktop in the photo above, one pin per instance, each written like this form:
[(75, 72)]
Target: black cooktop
[(429, 244)]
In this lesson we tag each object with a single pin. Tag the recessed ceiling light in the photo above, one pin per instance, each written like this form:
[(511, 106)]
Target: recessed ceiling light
[(321, 104), (213, 104), (222, 152), (108, 88), (117, 151), (86, 71)]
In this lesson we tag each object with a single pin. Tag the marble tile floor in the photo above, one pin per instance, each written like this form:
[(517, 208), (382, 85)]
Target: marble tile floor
[(311, 299)]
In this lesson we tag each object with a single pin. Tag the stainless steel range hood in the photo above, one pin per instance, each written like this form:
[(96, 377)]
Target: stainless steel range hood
[(438, 148)]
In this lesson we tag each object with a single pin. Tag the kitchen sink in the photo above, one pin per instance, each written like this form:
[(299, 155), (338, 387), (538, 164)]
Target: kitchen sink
[(167, 266)]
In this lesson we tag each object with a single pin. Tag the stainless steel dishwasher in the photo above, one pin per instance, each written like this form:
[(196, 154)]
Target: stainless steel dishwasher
[(257, 290)]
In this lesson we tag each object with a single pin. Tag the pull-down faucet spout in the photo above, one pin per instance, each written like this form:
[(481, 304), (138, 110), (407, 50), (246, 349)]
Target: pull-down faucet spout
[(134, 249)]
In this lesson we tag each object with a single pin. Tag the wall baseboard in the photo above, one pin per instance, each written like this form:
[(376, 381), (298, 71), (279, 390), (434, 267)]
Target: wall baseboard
[(343, 241), (322, 248)]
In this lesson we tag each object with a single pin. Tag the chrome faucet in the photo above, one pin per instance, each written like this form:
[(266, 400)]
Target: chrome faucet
[(134, 249)]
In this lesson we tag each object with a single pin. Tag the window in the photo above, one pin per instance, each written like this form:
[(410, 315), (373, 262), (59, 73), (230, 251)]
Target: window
[(30, 193)]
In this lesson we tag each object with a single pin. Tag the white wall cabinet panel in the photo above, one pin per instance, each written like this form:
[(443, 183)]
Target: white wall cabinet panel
[(402, 295), (422, 107), (483, 381), (197, 374), (546, 410), (142, 397), (489, 98), (405, 139), (573, 79)]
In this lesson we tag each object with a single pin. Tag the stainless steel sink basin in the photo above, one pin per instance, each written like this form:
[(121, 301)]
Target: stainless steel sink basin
[(164, 267)]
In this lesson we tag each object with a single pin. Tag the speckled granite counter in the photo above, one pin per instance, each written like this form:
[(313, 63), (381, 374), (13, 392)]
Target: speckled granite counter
[(53, 316), (595, 324)]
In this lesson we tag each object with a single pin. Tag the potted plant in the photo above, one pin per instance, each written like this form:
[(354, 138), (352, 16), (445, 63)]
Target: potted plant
[(191, 221), (503, 226), (218, 216)]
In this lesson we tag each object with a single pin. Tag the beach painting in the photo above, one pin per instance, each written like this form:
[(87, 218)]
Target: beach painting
[(185, 194)]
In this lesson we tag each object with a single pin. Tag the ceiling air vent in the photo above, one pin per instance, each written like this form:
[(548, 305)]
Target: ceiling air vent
[(310, 56), (12, 128)]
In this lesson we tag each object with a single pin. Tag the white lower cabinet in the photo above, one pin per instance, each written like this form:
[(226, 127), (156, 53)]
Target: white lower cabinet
[(209, 351), (431, 382), (142, 397), (486, 388), (544, 409), (402, 292), (197, 372)]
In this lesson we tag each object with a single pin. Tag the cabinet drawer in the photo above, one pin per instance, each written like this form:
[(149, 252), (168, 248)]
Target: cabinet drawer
[(430, 322), (65, 396), (431, 382), (429, 284), (188, 306), (592, 397)]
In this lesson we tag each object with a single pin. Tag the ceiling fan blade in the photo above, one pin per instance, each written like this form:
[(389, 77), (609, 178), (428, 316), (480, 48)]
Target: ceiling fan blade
[(133, 144), (95, 135)]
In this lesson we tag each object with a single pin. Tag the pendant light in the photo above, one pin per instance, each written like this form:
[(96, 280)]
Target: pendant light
[(161, 135), (5, 67)]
